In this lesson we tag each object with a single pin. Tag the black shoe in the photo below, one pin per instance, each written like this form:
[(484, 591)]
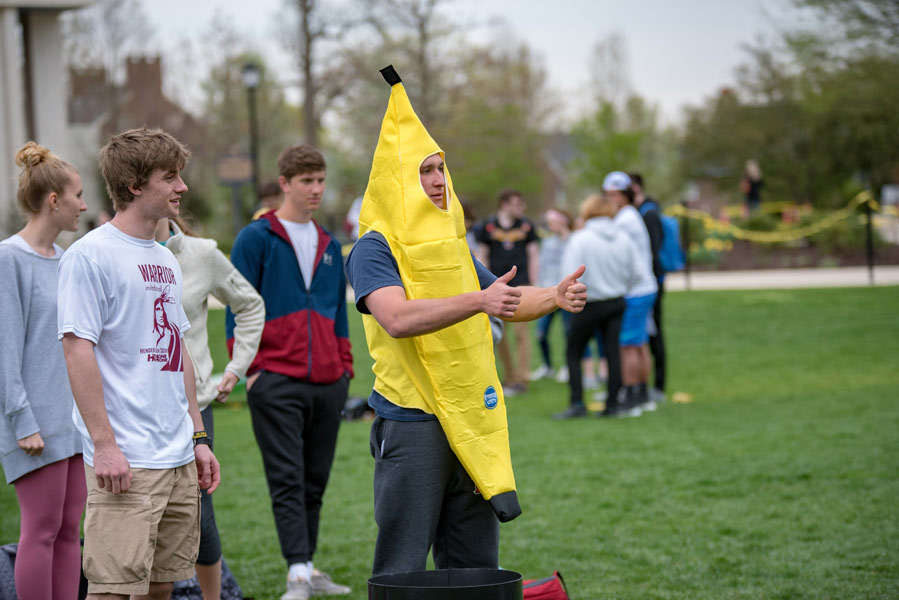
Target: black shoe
[(628, 404), (615, 410), (643, 399), (574, 411)]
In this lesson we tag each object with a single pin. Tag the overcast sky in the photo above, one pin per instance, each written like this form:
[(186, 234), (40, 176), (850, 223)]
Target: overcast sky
[(680, 51)]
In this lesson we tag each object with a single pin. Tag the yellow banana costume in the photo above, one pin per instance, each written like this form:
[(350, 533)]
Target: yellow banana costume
[(449, 373)]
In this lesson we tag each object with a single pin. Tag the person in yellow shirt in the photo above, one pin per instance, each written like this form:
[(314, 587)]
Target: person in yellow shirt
[(443, 472), (270, 198)]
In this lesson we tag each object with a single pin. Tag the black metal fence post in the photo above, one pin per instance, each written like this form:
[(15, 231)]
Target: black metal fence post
[(869, 235), (685, 240)]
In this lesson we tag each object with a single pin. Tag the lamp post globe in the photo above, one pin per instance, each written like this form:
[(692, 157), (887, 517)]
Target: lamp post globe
[(252, 77)]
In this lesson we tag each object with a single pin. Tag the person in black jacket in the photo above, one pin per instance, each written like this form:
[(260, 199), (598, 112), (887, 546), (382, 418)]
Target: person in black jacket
[(649, 208)]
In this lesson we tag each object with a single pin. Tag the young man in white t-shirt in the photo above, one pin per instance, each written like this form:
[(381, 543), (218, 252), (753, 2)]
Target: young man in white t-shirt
[(121, 325), (297, 384)]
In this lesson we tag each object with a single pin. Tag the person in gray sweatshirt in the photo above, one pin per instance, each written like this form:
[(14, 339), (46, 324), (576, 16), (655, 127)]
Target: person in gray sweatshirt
[(612, 271), (40, 449)]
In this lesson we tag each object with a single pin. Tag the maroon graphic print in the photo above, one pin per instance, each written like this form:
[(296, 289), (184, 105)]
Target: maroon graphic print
[(168, 339)]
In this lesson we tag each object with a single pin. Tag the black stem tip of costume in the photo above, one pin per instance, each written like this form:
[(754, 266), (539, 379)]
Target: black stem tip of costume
[(390, 75)]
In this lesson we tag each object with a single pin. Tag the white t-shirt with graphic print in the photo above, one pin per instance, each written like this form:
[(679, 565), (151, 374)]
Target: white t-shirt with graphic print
[(304, 237), (124, 295)]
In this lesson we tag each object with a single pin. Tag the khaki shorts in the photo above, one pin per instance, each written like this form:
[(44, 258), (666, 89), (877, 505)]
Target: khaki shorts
[(149, 533)]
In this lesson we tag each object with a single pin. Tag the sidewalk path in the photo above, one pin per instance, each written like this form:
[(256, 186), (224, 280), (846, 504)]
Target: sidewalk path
[(782, 278)]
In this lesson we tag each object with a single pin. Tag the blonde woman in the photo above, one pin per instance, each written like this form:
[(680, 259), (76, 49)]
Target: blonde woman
[(39, 445), (613, 269), (207, 271)]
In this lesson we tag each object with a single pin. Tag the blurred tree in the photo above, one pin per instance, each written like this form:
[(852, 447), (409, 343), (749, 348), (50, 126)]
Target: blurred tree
[(312, 33), (622, 132), (850, 80), (486, 104), (410, 30), (626, 138), (817, 109), (606, 143), (226, 117), (773, 129), (610, 69), (491, 123), (101, 36), (866, 24)]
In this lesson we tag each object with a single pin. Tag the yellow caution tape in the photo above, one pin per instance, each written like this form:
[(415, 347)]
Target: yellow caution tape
[(770, 237), (766, 237)]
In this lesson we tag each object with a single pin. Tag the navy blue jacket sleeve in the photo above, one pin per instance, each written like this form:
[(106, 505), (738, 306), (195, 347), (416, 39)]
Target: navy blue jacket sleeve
[(247, 256)]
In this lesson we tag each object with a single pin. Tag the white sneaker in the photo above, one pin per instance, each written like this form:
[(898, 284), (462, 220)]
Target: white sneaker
[(562, 375), (541, 372), (298, 588), (657, 395), (323, 586), (601, 396), (592, 382)]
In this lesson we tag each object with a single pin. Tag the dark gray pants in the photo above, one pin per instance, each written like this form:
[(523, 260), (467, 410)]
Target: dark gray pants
[(210, 544), (425, 500), (296, 426)]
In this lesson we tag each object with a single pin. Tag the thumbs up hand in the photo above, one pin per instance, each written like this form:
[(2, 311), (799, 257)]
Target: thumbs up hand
[(500, 299), (571, 294)]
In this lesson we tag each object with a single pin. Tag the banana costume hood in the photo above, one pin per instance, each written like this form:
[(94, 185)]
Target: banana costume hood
[(449, 373)]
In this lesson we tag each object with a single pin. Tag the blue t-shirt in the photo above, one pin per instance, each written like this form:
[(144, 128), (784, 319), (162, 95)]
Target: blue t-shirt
[(369, 267)]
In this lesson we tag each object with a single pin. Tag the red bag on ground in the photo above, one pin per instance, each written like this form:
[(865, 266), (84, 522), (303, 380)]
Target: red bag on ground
[(548, 588)]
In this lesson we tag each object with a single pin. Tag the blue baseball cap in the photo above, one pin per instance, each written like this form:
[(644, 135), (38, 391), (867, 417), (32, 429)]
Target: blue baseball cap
[(616, 181)]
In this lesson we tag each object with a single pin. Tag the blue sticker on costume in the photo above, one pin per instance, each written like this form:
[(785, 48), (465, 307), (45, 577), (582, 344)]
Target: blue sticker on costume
[(490, 397)]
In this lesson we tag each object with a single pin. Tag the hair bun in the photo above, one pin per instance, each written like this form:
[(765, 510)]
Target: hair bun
[(31, 155)]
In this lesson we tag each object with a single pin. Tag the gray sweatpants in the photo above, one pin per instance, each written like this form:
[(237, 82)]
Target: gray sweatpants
[(424, 499)]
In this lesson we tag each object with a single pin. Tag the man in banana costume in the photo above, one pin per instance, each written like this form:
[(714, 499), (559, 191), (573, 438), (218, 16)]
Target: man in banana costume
[(443, 471)]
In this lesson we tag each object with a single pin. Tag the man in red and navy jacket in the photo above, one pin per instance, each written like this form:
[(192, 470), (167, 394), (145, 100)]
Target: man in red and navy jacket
[(297, 384)]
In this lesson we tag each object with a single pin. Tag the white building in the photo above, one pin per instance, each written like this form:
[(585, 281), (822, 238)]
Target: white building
[(33, 88)]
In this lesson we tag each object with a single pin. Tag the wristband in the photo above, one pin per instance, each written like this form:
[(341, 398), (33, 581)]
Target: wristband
[(200, 437)]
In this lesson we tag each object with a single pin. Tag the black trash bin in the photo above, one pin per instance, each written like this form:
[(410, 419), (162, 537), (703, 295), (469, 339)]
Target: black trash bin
[(447, 584)]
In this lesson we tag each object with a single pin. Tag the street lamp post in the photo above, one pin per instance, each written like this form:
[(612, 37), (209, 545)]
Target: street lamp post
[(252, 76)]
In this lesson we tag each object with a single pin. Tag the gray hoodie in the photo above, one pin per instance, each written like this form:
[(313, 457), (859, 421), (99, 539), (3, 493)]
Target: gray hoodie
[(612, 261), (34, 386)]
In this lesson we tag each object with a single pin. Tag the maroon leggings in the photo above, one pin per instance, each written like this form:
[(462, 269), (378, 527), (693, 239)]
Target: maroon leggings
[(51, 502)]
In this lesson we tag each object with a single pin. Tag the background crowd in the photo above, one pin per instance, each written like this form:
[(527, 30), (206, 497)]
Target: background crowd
[(619, 236)]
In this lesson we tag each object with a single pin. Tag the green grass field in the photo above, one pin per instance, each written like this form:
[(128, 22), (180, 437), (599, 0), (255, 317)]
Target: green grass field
[(779, 480)]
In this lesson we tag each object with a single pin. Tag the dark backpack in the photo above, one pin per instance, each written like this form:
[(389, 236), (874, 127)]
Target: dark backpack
[(671, 253), (7, 572)]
